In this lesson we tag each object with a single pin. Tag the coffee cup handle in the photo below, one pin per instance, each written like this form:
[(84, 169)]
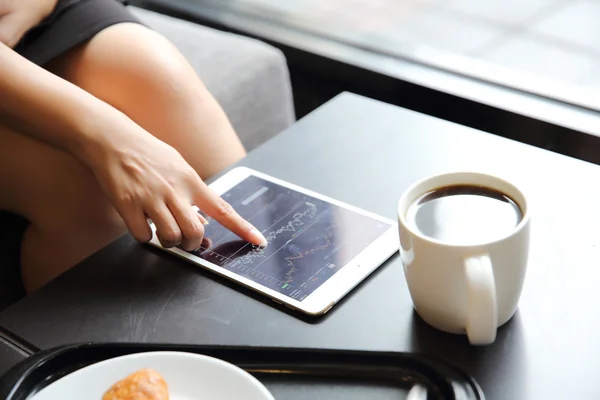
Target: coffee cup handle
[(482, 310)]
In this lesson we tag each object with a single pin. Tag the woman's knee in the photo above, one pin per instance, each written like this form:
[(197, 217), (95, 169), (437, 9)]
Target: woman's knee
[(144, 68)]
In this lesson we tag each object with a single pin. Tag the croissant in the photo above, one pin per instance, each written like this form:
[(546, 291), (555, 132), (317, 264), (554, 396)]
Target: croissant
[(145, 384)]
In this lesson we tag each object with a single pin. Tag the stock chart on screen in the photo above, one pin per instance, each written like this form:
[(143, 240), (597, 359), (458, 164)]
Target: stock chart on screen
[(309, 240)]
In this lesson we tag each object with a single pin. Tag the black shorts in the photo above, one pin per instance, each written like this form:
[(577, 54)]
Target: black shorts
[(72, 23)]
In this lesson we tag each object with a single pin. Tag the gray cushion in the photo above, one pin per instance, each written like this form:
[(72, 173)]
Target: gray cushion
[(249, 78)]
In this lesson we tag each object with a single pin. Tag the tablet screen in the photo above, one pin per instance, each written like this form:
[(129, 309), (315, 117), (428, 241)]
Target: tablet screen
[(309, 240)]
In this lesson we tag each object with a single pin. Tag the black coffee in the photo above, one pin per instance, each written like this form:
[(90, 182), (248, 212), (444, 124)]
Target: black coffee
[(464, 214)]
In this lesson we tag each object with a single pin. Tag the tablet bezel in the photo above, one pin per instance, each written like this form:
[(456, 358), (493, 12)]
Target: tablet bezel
[(331, 291)]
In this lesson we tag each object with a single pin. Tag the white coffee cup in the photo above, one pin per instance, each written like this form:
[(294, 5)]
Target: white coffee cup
[(474, 288)]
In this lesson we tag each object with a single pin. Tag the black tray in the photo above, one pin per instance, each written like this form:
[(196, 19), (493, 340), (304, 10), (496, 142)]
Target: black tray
[(404, 370)]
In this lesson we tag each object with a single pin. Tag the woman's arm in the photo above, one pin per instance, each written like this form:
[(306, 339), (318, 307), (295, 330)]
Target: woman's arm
[(141, 175), (19, 16), (50, 109)]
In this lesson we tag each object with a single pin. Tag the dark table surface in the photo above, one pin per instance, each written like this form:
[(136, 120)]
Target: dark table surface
[(365, 153), (9, 355)]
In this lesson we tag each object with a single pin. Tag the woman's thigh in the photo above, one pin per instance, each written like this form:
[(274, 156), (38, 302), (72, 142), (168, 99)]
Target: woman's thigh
[(49, 187), (139, 72)]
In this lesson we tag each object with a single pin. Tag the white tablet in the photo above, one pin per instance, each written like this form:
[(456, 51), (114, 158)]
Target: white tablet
[(318, 248)]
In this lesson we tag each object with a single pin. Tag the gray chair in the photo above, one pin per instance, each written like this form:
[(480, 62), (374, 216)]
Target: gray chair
[(249, 78)]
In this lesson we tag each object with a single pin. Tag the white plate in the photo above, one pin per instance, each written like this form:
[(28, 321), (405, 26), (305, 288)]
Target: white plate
[(188, 376)]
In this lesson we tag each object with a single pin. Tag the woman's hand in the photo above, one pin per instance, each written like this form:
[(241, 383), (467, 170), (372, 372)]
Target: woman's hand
[(142, 176), (19, 16), (146, 178)]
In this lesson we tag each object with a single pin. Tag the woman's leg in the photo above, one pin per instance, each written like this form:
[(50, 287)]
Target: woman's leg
[(69, 215), (141, 73)]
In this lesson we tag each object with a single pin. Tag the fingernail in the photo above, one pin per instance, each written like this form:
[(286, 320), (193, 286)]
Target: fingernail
[(257, 238), (203, 220)]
